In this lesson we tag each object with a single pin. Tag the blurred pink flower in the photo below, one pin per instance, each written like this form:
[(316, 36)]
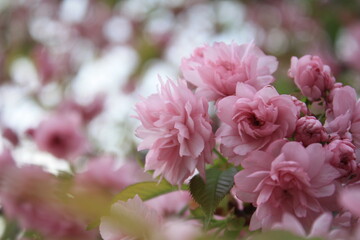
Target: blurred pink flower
[(349, 199), (349, 45), (310, 130), (180, 229), (62, 136), (103, 173), (131, 220), (285, 178), (170, 203), (217, 69), (311, 76), (134, 219), (6, 161), (176, 128), (253, 119), (10, 135), (320, 228), (86, 112), (49, 66), (28, 195)]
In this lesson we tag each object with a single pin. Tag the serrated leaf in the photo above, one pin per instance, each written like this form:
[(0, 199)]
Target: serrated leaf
[(145, 190), (208, 195)]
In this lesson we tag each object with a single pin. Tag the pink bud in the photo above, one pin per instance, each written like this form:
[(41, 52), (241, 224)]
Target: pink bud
[(301, 106), (309, 130), (343, 156), (311, 76)]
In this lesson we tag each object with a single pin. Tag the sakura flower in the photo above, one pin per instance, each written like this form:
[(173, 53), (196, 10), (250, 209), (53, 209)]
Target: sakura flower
[(341, 111), (217, 69), (355, 125), (103, 173), (179, 229), (311, 76), (343, 114), (61, 135), (99, 183), (285, 178), (170, 203), (87, 111), (320, 227), (10, 135), (50, 66), (6, 161), (253, 119), (131, 220), (348, 47), (176, 129), (349, 198), (309, 130)]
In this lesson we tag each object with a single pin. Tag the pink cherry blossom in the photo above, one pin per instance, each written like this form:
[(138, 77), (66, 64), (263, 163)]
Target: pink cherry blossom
[(320, 227), (355, 125), (61, 135), (349, 199), (349, 45), (325, 227), (176, 129), (86, 111), (311, 76), (180, 229), (10, 135), (131, 220), (100, 182), (253, 119), (217, 69), (341, 110), (50, 66), (285, 178), (28, 195), (343, 114), (103, 173), (309, 130), (170, 203), (6, 161)]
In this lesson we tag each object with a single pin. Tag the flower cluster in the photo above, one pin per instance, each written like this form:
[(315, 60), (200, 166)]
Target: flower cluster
[(258, 159), (295, 158)]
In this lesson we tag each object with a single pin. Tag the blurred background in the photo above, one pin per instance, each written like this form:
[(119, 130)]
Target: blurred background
[(101, 56)]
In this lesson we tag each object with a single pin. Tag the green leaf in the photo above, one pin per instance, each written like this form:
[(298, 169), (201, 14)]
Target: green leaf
[(11, 230), (208, 195), (33, 235), (145, 190), (93, 225)]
